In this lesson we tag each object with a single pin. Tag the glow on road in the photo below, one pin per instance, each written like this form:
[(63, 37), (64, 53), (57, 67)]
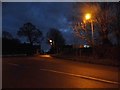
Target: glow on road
[(45, 56)]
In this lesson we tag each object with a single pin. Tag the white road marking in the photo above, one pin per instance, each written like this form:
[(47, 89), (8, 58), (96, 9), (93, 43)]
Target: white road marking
[(82, 76), (13, 64), (75, 75)]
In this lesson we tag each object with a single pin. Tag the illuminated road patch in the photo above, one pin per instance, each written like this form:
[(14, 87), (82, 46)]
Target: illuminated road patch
[(48, 56)]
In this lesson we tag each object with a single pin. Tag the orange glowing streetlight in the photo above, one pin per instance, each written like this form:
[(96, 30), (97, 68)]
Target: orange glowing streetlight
[(87, 16)]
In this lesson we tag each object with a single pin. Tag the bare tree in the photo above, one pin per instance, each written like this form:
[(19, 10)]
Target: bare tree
[(104, 19), (82, 29), (102, 16), (29, 31)]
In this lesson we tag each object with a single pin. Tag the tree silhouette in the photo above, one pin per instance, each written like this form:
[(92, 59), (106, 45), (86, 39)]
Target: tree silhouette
[(10, 44), (105, 18), (29, 31), (57, 39), (6, 35), (117, 24), (80, 26)]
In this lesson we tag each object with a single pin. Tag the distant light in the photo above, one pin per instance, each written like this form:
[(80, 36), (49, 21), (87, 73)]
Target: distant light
[(81, 46), (50, 41), (86, 46)]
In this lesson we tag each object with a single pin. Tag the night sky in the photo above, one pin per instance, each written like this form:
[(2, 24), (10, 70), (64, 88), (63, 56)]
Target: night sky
[(43, 15)]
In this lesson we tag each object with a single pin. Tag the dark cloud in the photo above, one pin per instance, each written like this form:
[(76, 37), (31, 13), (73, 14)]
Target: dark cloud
[(43, 15)]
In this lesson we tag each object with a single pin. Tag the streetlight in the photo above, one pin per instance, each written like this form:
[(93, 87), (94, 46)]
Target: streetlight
[(52, 45), (88, 17), (50, 41)]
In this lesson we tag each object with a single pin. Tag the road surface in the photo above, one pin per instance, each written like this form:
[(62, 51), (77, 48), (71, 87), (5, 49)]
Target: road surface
[(45, 71)]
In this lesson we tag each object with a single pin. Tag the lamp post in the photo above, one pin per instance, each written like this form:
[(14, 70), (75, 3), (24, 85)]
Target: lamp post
[(92, 32), (52, 45), (88, 17)]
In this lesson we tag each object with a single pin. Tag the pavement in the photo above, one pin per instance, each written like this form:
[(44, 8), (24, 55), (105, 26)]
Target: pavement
[(44, 71)]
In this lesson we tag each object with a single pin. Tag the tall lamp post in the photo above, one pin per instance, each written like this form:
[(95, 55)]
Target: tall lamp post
[(52, 44), (88, 17)]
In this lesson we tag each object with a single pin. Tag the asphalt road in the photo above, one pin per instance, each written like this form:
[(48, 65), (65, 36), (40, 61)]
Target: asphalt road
[(48, 72)]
